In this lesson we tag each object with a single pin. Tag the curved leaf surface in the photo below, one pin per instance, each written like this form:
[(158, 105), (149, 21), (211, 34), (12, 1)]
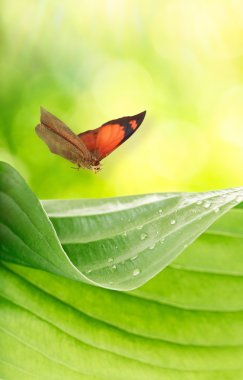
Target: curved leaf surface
[(185, 323), (117, 243)]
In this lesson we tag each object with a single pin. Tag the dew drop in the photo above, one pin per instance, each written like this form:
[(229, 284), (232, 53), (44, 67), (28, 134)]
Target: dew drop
[(160, 211), (152, 246), (162, 240), (110, 260), (143, 236), (139, 227), (113, 267), (124, 233), (136, 272), (134, 258), (88, 271), (207, 204), (173, 221), (199, 202)]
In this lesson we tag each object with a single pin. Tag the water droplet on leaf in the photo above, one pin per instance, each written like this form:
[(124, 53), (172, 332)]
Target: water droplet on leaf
[(134, 258), (136, 272), (143, 236), (207, 204), (152, 246)]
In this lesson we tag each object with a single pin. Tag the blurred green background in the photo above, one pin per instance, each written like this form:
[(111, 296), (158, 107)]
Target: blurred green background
[(91, 61)]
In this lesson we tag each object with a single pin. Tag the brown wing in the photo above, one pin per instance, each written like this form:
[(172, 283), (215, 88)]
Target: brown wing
[(103, 140), (60, 139)]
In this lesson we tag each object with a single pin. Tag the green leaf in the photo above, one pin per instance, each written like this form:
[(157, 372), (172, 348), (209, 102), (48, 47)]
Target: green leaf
[(184, 323), (117, 243)]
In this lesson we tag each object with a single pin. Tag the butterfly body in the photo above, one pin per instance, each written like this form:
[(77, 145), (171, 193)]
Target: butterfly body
[(87, 149)]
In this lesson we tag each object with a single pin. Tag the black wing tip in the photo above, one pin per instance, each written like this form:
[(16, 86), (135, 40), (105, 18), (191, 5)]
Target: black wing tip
[(140, 117)]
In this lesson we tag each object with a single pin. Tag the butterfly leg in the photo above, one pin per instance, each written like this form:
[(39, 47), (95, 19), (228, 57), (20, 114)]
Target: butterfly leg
[(76, 167)]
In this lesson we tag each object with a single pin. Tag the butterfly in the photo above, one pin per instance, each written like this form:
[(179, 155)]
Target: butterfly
[(86, 149)]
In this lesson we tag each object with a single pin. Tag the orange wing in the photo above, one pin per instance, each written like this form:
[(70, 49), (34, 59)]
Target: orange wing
[(103, 140)]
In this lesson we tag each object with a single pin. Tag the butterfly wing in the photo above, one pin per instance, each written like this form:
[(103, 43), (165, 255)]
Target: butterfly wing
[(60, 139), (103, 140)]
